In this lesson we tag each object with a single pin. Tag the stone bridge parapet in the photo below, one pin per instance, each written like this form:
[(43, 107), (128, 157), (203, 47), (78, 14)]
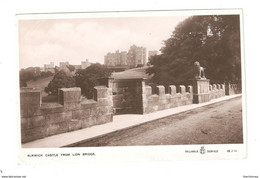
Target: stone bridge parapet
[(71, 112)]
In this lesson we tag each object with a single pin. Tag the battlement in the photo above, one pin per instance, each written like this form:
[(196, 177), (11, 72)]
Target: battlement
[(216, 91), (160, 100), (125, 96), (231, 89), (71, 112)]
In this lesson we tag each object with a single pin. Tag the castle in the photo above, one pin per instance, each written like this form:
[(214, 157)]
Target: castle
[(64, 66), (134, 57)]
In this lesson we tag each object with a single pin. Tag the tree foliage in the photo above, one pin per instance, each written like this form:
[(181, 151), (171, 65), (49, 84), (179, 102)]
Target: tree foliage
[(32, 73), (214, 41), (60, 80), (46, 74), (28, 74), (71, 68), (86, 79)]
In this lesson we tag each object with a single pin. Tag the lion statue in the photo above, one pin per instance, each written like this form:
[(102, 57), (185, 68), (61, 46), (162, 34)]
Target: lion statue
[(199, 71)]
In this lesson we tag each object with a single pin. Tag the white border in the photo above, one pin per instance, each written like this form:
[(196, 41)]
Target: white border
[(137, 153)]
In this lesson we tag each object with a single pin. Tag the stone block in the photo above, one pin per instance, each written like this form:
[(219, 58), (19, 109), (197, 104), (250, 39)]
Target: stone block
[(172, 89), (89, 104), (69, 95), (109, 91), (161, 107), (162, 101), (103, 110), (182, 89), (100, 92), (154, 99), (75, 124), (214, 87), (210, 87), (31, 97), (148, 90), (49, 108), (200, 86), (155, 108), (104, 119), (222, 86), (88, 121), (160, 90), (201, 98), (106, 101), (28, 110), (33, 122), (58, 128), (59, 117), (189, 89), (28, 135), (80, 114), (72, 106), (30, 102), (218, 86)]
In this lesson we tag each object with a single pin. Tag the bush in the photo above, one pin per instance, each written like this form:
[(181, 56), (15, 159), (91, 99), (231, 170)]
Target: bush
[(86, 79), (46, 74), (60, 80), (23, 83), (28, 74)]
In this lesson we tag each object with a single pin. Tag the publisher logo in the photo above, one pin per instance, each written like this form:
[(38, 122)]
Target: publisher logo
[(202, 150)]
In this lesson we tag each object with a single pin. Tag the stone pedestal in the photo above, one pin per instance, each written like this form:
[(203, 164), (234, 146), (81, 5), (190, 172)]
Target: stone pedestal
[(200, 90)]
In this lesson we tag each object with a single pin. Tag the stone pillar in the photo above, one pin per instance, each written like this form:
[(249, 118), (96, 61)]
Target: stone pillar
[(227, 88), (172, 89), (182, 89), (131, 96), (69, 95), (189, 89), (100, 92), (148, 90), (200, 90), (160, 90), (30, 101)]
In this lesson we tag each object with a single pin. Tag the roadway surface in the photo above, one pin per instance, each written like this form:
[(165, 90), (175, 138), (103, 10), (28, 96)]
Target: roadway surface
[(219, 123)]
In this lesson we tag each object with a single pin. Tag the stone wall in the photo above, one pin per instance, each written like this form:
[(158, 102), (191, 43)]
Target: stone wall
[(216, 91), (231, 89), (127, 96), (72, 112), (161, 100)]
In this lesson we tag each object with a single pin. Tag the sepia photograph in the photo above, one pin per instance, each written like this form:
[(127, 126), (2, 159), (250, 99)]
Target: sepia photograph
[(132, 80)]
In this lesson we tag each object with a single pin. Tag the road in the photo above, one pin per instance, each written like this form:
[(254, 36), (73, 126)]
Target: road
[(219, 123)]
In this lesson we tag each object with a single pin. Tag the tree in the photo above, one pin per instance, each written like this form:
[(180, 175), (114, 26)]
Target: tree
[(71, 68), (87, 78), (46, 74), (60, 80), (214, 41), (28, 74)]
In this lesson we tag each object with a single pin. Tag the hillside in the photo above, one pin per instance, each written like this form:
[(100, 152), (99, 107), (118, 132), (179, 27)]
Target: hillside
[(40, 84), (131, 73), (128, 74)]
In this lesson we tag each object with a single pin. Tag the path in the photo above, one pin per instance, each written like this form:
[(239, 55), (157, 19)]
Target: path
[(219, 123)]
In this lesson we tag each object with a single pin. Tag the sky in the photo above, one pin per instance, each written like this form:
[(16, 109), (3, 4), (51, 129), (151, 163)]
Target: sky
[(43, 41)]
